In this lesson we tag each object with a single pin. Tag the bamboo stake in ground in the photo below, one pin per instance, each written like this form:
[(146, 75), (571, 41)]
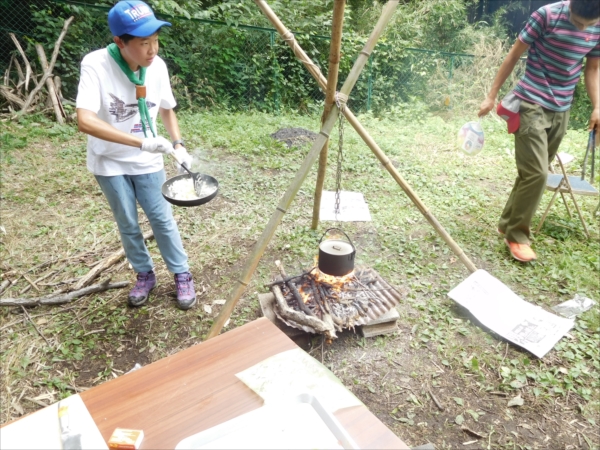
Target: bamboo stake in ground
[(301, 175), (332, 79), (318, 76)]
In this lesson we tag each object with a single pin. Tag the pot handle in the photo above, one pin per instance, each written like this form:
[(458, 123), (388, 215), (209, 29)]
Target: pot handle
[(343, 232)]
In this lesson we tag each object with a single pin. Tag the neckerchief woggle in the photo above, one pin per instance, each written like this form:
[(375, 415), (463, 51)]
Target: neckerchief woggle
[(140, 89)]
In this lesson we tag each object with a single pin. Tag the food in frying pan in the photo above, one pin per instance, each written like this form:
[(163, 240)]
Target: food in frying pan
[(184, 190)]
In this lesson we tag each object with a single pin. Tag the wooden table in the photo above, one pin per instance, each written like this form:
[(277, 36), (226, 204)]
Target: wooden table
[(197, 389)]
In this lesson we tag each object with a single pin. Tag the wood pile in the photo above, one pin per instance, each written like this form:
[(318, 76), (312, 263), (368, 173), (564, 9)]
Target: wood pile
[(22, 87)]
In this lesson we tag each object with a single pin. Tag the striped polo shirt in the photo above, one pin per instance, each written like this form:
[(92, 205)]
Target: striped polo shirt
[(555, 56)]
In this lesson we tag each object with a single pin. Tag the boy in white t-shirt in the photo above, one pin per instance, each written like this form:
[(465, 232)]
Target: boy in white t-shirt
[(121, 91)]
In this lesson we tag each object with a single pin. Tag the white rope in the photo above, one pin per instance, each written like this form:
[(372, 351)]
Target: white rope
[(341, 100), (288, 37)]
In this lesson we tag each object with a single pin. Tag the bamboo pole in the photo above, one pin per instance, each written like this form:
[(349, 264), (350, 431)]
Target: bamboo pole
[(288, 37), (301, 175), (364, 134), (409, 192), (332, 80)]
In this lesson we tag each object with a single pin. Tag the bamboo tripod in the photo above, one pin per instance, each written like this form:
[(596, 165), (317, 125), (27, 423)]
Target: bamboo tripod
[(330, 115)]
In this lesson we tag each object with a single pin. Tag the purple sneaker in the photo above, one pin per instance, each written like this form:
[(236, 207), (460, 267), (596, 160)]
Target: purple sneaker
[(186, 295), (141, 291)]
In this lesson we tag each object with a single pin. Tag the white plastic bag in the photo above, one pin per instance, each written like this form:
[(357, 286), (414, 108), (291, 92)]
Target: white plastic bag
[(470, 138)]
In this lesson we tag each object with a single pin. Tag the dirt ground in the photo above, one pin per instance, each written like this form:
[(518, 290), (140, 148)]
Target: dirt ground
[(406, 381), (294, 137)]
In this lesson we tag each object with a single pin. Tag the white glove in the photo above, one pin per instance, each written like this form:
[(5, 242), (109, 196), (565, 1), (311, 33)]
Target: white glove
[(157, 145), (184, 158)]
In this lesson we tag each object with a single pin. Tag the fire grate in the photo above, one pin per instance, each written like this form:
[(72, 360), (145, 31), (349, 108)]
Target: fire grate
[(319, 303)]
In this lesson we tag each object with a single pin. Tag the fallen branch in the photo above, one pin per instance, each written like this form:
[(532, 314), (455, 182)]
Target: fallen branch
[(435, 400), (472, 432), (7, 71), (18, 321), (20, 75), (53, 299), (37, 402), (52, 94), (30, 281), (34, 326), (34, 268), (27, 65), (4, 285), (11, 97), (105, 264)]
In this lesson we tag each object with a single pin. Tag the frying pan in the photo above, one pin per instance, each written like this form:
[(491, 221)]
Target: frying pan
[(206, 180)]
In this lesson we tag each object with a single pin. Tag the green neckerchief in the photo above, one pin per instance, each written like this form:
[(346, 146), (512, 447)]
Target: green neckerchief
[(114, 51)]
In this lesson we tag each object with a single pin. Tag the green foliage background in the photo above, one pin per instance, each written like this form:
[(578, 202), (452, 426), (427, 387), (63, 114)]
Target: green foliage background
[(216, 63)]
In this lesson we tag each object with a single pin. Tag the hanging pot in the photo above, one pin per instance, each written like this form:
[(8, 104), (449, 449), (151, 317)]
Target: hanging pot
[(336, 257)]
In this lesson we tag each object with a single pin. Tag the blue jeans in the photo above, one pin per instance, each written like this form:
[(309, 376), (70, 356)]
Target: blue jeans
[(122, 191)]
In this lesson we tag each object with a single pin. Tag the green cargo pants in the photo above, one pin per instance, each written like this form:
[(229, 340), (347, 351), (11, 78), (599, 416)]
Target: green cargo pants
[(536, 144)]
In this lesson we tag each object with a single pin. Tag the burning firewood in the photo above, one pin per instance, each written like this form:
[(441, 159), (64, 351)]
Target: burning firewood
[(298, 319), (313, 300)]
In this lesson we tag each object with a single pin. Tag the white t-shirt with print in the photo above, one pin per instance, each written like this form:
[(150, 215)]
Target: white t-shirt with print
[(105, 89)]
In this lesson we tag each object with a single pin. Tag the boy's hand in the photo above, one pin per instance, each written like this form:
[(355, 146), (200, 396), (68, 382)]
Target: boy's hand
[(184, 158), (486, 106), (157, 145)]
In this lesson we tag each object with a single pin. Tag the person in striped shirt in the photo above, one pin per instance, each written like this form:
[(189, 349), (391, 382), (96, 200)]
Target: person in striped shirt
[(557, 38)]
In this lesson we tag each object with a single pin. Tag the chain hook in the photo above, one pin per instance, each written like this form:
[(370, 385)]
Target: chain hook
[(340, 100)]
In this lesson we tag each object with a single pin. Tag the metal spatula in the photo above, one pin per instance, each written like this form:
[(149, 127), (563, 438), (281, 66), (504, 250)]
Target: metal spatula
[(196, 177)]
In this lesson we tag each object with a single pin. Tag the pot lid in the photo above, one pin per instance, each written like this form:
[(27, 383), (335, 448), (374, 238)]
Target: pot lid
[(335, 247)]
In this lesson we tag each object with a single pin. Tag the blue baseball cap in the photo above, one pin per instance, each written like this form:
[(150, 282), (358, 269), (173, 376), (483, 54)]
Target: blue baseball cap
[(135, 18)]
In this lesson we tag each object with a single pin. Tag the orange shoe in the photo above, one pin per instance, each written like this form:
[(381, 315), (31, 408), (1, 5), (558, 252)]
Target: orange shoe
[(521, 252)]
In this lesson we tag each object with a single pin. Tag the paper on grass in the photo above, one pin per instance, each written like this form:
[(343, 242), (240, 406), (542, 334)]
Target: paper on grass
[(502, 311), (353, 207), (41, 430), (294, 372)]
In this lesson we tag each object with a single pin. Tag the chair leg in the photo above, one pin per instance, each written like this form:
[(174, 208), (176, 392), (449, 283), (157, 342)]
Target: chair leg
[(565, 181), (546, 212), (587, 233), (566, 205)]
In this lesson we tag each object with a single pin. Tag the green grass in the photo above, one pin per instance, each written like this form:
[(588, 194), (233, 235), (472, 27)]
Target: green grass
[(466, 194), (52, 206)]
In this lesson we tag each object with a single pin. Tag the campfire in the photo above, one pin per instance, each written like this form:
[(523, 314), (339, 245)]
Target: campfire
[(319, 303)]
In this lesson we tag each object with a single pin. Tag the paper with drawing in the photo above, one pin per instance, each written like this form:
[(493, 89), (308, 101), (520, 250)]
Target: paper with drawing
[(502, 311)]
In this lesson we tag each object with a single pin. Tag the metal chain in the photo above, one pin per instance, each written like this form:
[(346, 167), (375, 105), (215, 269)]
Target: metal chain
[(340, 160)]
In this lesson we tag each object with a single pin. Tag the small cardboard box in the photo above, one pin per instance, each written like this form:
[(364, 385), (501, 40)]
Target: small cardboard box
[(125, 439)]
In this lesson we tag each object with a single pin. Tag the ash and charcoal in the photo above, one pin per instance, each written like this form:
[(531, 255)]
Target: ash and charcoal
[(349, 301), (294, 137)]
